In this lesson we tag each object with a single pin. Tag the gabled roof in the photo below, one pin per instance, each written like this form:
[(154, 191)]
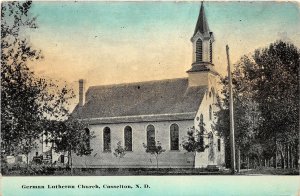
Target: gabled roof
[(202, 25), (143, 101)]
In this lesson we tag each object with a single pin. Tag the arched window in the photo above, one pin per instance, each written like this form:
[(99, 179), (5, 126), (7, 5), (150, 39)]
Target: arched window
[(128, 138), (150, 136), (211, 154), (87, 138), (210, 51), (46, 142), (213, 91), (174, 137), (62, 158), (219, 145), (201, 124), (210, 112), (199, 50), (106, 139)]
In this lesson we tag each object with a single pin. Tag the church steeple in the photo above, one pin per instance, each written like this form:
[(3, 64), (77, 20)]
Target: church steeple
[(202, 25), (202, 40)]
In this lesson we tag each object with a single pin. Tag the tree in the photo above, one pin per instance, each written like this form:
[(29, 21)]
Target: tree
[(194, 142), (71, 136), (266, 96), (20, 90), (275, 75), (120, 152), (155, 150), (29, 104), (246, 115)]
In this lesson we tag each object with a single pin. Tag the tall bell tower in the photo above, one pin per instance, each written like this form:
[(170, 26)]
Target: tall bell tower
[(202, 41)]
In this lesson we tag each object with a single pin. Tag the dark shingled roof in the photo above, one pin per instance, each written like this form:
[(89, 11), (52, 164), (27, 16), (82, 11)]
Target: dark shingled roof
[(143, 101), (202, 24)]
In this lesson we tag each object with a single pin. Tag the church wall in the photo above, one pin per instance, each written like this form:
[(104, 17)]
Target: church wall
[(198, 78), (42, 147), (211, 155), (138, 157)]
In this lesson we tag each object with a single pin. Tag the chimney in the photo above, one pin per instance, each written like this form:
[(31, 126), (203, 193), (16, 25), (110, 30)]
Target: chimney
[(81, 92)]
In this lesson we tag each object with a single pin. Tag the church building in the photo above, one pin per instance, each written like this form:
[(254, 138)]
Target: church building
[(146, 112)]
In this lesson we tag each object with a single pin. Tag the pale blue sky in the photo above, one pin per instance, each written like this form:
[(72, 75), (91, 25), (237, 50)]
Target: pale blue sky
[(116, 42)]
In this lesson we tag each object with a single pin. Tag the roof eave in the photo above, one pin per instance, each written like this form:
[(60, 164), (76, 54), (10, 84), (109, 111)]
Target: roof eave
[(141, 118)]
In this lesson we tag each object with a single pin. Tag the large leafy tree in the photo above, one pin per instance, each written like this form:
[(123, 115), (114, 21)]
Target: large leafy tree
[(30, 105), (275, 77), (70, 136), (246, 114), (21, 91), (266, 102)]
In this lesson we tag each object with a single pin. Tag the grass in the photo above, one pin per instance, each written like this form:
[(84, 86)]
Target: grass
[(270, 171), (150, 172), (145, 171)]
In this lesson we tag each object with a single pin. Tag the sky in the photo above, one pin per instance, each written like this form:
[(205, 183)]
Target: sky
[(122, 42)]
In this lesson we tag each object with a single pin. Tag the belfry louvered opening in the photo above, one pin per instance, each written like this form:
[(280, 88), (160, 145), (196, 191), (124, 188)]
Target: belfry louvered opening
[(199, 51), (210, 51)]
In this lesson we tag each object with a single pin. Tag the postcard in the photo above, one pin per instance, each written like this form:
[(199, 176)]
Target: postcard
[(150, 97)]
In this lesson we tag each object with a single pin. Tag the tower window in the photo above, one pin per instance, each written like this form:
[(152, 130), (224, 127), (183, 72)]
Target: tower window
[(199, 50), (106, 139), (128, 138), (210, 51), (219, 145), (150, 136), (174, 137)]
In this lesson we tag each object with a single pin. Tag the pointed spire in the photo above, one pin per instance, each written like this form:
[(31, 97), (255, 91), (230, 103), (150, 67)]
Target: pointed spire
[(202, 24)]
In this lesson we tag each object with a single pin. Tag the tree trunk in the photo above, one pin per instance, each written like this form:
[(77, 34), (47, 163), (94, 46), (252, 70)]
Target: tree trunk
[(156, 161), (70, 161), (275, 160), (297, 158), (194, 162), (282, 159), (287, 156), (275, 156), (248, 163), (238, 157), (291, 156), (27, 161)]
